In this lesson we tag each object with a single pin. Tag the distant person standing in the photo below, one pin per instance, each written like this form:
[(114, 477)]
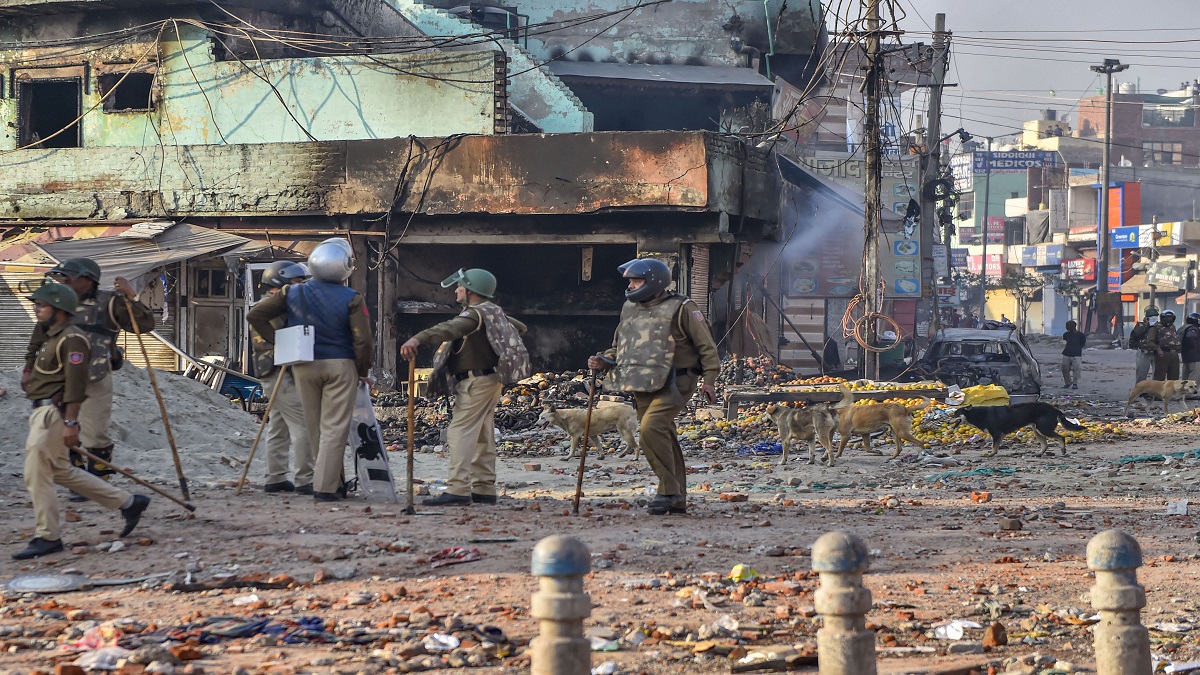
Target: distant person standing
[(970, 321), (286, 427), (1162, 342), (342, 355), (1072, 353), (1145, 357), (1190, 347)]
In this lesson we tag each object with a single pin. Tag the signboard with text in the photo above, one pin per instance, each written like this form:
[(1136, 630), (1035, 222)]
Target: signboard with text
[(1167, 277), (1013, 162), (995, 264), (1079, 269)]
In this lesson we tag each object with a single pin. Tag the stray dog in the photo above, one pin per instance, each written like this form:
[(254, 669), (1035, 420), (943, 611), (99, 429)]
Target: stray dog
[(1164, 389), (999, 420), (865, 419), (606, 417), (811, 424)]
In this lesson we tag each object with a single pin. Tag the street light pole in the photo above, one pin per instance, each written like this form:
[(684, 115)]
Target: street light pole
[(1109, 67)]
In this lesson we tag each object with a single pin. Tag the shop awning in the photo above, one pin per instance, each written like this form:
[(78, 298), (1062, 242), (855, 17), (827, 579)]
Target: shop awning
[(846, 197), (149, 246), (722, 77)]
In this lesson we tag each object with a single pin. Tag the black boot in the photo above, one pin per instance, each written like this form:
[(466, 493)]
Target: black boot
[(281, 486), (446, 499), (664, 504), (133, 513), (38, 547)]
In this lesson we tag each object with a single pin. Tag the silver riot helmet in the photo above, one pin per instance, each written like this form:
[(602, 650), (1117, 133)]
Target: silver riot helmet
[(343, 243), (330, 262)]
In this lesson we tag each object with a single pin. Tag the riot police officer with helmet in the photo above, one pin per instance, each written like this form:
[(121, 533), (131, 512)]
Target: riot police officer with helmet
[(663, 350), (342, 353), (1162, 341)]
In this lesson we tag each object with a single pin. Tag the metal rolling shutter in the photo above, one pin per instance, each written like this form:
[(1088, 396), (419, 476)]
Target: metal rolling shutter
[(16, 318), (698, 278), (161, 356)]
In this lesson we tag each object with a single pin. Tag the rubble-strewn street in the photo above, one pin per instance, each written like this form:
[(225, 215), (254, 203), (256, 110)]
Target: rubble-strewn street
[(283, 584)]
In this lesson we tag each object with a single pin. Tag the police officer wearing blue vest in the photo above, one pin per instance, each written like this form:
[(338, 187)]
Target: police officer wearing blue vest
[(342, 355)]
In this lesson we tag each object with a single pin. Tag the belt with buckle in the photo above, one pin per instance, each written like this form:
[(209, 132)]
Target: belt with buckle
[(39, 402), (474, 373)]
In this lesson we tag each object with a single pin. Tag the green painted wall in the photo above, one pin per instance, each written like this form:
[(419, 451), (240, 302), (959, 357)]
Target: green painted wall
[(205, 101)]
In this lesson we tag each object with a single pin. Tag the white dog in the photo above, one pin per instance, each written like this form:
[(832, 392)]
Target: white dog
[(607, 416)]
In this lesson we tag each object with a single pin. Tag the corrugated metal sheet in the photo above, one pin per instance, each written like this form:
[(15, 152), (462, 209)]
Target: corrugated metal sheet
[(162, 357), (16, 318), (698, 286)]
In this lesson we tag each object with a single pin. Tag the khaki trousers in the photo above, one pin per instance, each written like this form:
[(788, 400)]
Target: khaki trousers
[(1072, 367), (95, 414), (471, 436), (1191, 370), (327, 389), (659, 437), (1143, 364), (46, 464), (286, 430)]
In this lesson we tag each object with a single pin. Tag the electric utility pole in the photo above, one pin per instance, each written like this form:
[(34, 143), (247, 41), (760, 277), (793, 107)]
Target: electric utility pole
[(873, 205), (1109, 67), (932, 165)]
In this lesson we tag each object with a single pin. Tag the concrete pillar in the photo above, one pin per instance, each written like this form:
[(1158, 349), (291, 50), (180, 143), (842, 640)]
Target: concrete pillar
[(561, 606), (1122, 642), (844, 645)]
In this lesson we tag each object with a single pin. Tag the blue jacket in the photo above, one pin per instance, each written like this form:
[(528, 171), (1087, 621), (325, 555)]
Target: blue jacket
[(325, 306)]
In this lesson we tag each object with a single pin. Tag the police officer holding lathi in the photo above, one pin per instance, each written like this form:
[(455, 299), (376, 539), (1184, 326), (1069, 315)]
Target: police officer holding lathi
[(342, 353), (1162, 341), (286, 427), (663, 350), (101, 315), (57, 386)]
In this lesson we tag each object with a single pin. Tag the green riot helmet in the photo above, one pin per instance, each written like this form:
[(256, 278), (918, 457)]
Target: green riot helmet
[(478, 281), (58, 296), (74, 268)]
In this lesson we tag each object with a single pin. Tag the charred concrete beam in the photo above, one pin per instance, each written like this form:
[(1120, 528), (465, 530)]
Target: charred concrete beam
[(556, 174)]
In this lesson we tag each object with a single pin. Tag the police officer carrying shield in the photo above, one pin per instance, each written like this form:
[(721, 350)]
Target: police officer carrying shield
[(663, 349), (342, 354), (471, 361), (57, 385), (286, 425), (101, 315)]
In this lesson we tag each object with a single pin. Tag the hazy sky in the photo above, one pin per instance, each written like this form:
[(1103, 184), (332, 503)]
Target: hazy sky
[(1007, 57)]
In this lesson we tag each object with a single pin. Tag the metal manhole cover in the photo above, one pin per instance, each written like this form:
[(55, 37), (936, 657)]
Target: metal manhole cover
[(47, 583)]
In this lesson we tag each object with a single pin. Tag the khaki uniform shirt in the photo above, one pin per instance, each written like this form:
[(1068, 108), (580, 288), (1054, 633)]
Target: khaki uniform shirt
[(694, 343), (471, 350), (117, 311), (60, 366)]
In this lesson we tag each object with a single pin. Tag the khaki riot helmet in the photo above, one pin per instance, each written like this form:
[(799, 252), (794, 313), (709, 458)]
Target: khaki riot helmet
[(58, 296), (330, 261), (479, 281)]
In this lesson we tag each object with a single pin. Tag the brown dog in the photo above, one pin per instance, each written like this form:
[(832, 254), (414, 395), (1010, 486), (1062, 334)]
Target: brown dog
[(606, 417), (811, 424), (866, 419), (1164, 389)]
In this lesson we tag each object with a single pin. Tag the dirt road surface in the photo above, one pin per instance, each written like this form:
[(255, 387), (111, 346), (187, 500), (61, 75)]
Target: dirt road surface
[(359, 576)]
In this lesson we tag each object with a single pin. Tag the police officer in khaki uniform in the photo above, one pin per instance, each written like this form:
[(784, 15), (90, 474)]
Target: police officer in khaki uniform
[(343, 351), (286, 425), (57, 385), (663, 348), (472, 362), (101, 315)]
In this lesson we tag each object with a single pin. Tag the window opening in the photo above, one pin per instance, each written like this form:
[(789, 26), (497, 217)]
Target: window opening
[(47, 106), (135, 94)]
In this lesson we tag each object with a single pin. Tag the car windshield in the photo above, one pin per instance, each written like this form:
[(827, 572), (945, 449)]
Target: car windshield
[(973, 350)]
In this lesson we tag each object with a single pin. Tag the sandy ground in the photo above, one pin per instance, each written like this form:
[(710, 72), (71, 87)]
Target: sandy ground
[(658, 583)]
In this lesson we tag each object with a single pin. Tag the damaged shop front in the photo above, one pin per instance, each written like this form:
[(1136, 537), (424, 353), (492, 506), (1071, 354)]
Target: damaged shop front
[(551, 215)]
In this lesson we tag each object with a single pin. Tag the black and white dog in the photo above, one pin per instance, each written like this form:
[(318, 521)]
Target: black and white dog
[(1000, 420)]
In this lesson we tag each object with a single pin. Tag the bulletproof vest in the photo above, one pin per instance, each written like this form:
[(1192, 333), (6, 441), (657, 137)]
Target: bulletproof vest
[(1168, 338), (512, 356), (324, 306), (645, 346), (93, 316), (1189, 338)]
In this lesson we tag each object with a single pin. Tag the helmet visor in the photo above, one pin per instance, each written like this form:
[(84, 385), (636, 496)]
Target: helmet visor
[(456, 278)]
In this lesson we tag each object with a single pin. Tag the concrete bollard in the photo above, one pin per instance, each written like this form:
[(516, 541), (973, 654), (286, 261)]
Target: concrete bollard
[(1122, 642), (844, 645), (561, 606)]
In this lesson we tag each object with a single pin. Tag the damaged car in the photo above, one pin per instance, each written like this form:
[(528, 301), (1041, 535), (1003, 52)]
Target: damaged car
[(970, 356)]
